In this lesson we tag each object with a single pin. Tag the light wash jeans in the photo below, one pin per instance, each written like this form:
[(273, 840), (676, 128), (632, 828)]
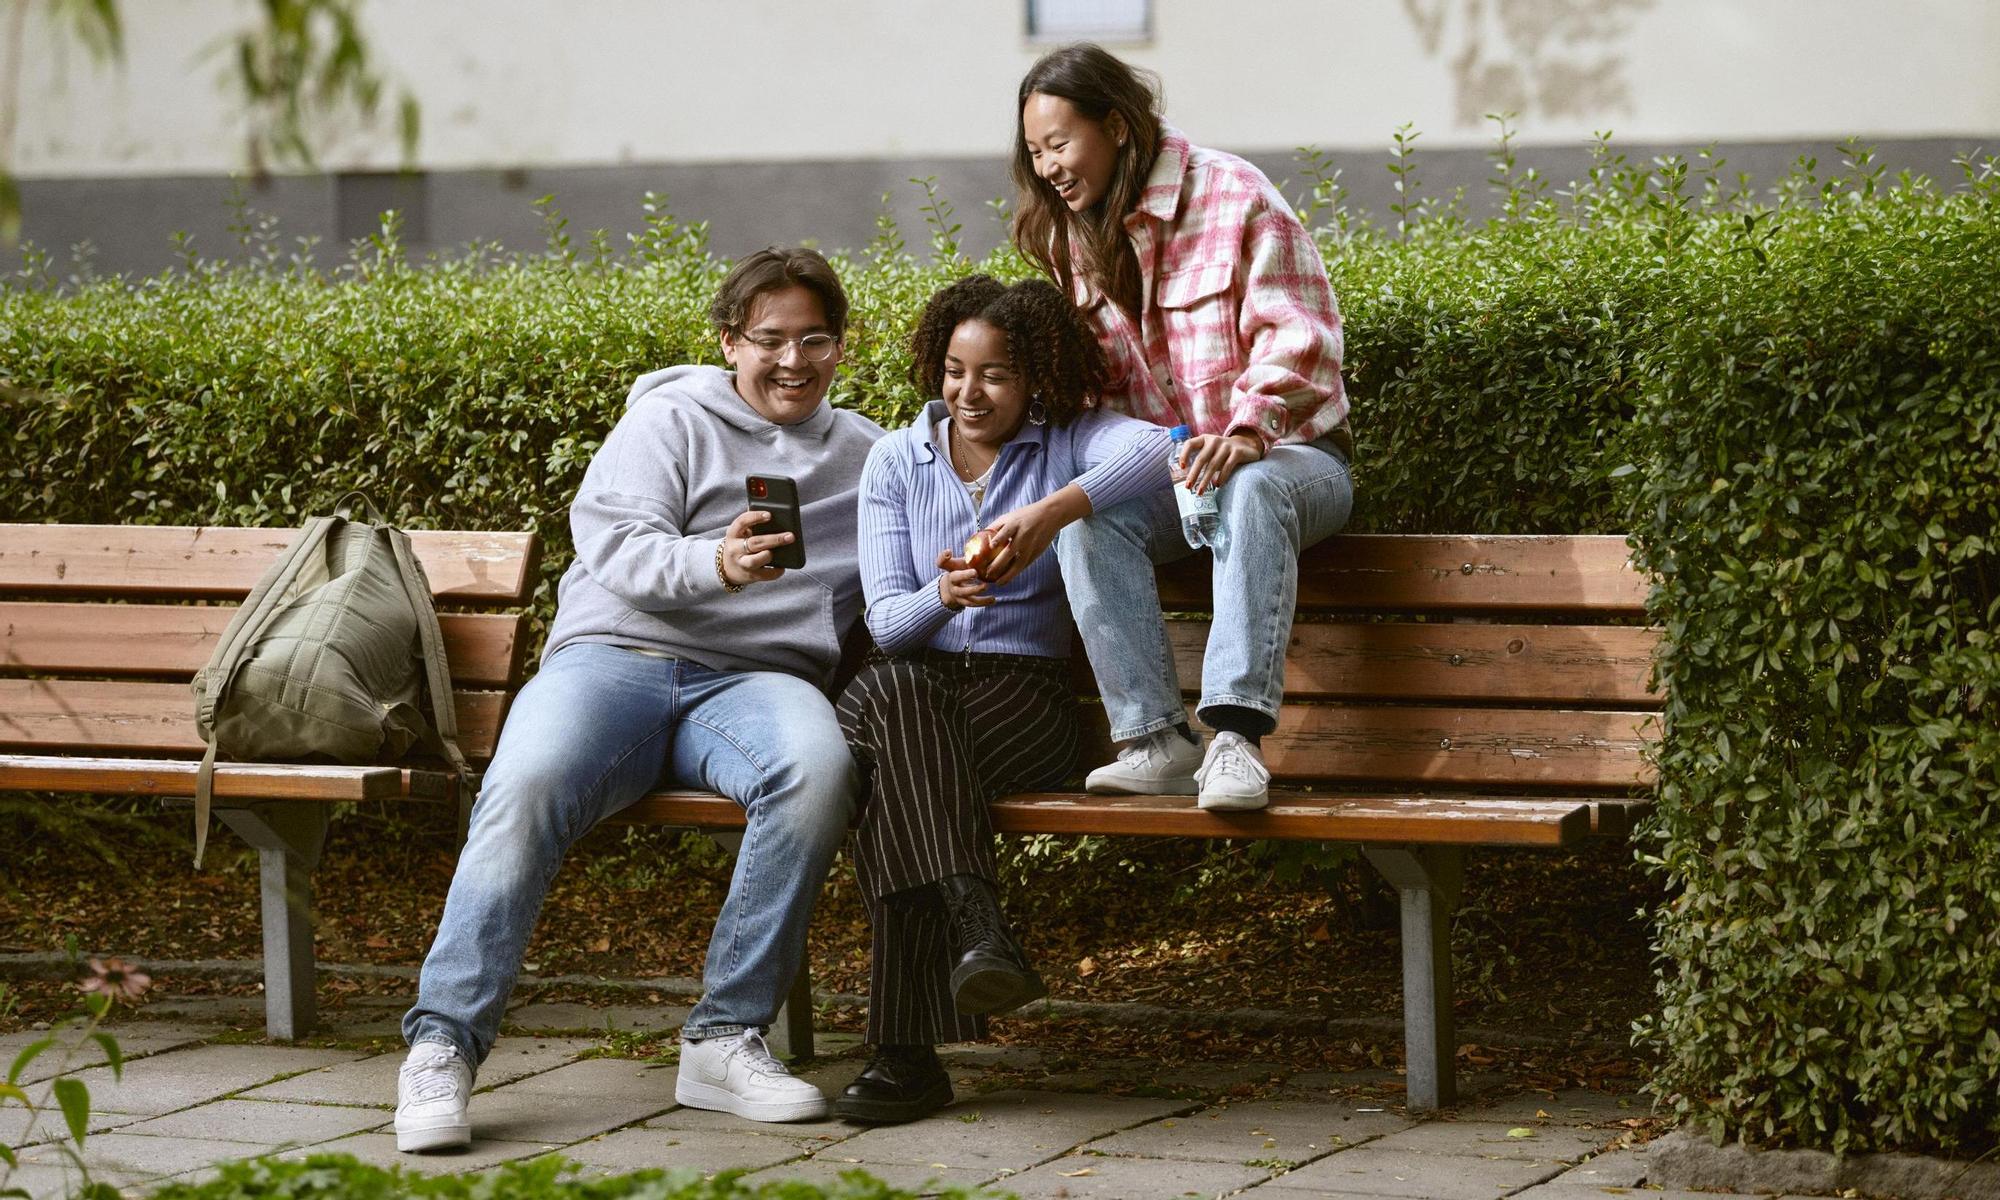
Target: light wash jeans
[(597, 728), (1271, 510)]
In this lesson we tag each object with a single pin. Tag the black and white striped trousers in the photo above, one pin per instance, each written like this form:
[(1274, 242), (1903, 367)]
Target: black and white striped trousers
[(937, 737)]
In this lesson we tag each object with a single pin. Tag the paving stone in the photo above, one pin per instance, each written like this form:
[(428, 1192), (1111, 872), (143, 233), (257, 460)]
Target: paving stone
[(372, 1081), (603, 1077), (909, 1176), (14, 1122), (379, 1149), (136, 1039), (1264, 1129), (1014, 1130), (1081, 1175), (136, 1156), (234, 1012), (514, 1114), (1559, 1190), (267, 1122), (1371, 1170), (1616, 1168), (643, 1018), (987, 1055), (707, 1151), (1572, 1106), (165, 1082), (49, 1181), (1488, 1139), (823, 1132)]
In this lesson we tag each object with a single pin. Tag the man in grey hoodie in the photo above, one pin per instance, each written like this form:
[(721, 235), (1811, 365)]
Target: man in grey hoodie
[(679, 654)]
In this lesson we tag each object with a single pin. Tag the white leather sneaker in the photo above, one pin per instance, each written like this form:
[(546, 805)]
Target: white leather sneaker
[(1160, 764), (431, 1094), (1233, 777), (735, 1073)]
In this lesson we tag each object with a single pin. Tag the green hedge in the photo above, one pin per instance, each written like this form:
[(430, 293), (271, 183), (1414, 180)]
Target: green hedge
[(1789, 400), (1817, 491)]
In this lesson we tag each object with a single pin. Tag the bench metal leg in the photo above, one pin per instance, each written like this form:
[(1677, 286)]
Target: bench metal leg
[(1428, 879), (791, 1033), (288, 839)]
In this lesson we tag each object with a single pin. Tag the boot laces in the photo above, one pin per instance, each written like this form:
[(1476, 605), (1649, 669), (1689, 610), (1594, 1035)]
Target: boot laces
[(756, 1055), (1232, 760), (435, 1077), (976, 921), (1147, 751)]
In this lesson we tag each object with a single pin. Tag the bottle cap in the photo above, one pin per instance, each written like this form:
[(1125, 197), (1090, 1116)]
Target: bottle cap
[(1179, 433)]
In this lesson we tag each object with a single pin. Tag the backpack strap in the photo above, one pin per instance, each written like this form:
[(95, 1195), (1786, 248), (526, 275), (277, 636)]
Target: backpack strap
[(444, 713), (214, 681)]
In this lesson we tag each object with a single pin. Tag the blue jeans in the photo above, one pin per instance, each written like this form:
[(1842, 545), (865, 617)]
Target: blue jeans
[(1271, 510), (597, 728)]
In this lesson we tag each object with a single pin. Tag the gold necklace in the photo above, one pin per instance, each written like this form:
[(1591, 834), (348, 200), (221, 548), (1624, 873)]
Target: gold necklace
[(964, 473)]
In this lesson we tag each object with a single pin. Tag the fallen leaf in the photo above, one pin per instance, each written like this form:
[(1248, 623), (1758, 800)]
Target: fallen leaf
[(1320, 933), (1521, 1132), (600, 945), (1074, 1174), (1540, 1115), (1087, 967)]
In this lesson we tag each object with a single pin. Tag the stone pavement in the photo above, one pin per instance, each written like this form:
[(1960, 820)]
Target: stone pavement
[(192, 1096)]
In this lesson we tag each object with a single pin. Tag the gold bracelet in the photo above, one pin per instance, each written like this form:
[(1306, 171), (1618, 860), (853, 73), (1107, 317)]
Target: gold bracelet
[(731, 588)]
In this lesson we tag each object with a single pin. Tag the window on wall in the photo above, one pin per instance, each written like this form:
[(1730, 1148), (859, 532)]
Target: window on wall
[(1096, 20)]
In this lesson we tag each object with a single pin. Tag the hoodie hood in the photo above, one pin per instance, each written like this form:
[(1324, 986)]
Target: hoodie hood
[(714, 390)]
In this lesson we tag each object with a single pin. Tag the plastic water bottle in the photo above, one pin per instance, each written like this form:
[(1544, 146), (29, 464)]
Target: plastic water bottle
[(1201, 519)]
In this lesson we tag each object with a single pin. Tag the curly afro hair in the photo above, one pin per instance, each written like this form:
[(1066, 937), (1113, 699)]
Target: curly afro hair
[(1052, 348)]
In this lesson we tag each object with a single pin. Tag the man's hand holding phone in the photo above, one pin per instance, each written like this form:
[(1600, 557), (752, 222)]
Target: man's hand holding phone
[(746, 558)]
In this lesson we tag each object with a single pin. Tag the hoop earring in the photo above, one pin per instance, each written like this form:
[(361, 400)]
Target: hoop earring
[(1038, 414)]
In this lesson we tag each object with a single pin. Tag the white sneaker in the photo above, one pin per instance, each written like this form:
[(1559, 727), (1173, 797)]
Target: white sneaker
[(431, 1092), (1233, 777), (736, 1074), (1160, 764)]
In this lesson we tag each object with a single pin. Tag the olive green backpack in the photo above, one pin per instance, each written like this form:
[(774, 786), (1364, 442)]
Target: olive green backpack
[(329, 659)]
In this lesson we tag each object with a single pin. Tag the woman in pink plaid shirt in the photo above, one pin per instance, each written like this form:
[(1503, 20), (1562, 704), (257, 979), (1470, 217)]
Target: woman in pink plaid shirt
[(1213, 307)]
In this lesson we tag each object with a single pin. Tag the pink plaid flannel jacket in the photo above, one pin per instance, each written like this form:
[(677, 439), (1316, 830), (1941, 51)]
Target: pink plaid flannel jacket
[(1238, 329)]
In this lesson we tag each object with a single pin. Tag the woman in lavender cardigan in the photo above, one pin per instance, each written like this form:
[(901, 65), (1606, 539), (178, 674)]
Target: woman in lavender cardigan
[(968, 694)]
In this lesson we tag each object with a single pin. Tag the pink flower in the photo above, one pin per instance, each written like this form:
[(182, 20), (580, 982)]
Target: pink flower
[(116, 979)]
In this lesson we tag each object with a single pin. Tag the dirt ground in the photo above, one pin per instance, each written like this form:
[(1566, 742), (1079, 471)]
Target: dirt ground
[(1551, 949)]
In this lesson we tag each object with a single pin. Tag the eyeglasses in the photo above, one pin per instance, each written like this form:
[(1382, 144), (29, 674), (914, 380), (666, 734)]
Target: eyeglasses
[(817, 347)]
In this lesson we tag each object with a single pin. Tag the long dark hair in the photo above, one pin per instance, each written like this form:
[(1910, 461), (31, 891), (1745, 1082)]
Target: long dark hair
[(1047, 233), (1055, 352)]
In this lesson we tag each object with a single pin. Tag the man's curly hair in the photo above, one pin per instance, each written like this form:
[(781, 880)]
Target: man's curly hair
[(1052, 348)]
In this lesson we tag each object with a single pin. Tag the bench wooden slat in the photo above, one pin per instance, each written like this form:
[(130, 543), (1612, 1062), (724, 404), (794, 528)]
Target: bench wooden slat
[(1468, 747), (1432, 573), (187, 561), (484, 649), (1450, 660), (1457, 820), (175, 777), (95, 714)]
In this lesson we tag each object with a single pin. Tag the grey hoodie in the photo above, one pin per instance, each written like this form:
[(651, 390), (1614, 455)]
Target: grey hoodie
[(653, 508)]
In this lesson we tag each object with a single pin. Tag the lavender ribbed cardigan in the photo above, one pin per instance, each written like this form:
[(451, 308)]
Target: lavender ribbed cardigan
[(913, 505)]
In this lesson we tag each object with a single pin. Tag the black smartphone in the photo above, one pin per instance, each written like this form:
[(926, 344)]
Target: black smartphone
[(779, 496)]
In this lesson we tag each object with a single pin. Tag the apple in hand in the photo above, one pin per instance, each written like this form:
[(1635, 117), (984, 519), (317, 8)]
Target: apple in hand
[(981, 549)]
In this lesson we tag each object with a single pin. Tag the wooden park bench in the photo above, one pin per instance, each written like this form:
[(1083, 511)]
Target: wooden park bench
[(1441, 692), (103, 626)]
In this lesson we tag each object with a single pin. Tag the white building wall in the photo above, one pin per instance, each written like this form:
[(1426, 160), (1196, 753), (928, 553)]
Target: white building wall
[(602, 82)]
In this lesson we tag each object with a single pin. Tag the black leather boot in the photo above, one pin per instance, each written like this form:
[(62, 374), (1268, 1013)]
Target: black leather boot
[(900, 1083), (992, 975)]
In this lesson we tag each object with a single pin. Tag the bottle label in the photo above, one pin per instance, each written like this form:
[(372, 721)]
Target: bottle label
[(1191, 505)]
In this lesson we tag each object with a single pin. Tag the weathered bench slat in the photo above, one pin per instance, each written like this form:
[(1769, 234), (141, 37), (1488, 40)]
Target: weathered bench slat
[(176, 561), (1396, 660), (1467, 747), (1431, 573), (1458, 820), (484, 649), (90, 714), (175, 777)]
